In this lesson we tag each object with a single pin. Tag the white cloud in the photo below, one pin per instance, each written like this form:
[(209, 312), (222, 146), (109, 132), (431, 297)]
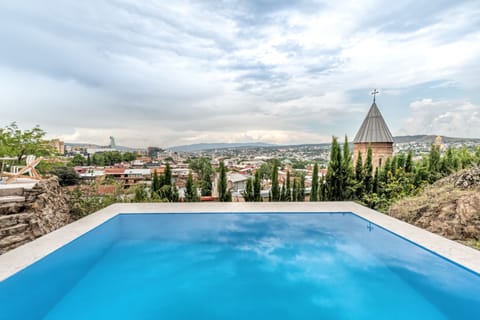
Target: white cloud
[(226, 71), (452, 118)]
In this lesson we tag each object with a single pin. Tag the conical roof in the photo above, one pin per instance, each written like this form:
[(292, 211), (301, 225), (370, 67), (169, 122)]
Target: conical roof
[(374, 128)]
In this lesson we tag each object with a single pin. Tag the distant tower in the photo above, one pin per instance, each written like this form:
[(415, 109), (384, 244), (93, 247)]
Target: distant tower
[(373, 132), (112, 143), (439, 143)]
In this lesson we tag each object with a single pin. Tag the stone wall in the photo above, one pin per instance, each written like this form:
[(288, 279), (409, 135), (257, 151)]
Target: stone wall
[(380, 152), (28, 213)]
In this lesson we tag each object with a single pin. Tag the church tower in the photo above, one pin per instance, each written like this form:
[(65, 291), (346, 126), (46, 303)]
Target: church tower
[(373, 132)]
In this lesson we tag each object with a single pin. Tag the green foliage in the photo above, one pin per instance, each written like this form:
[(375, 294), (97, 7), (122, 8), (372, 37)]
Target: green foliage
[(67, 176), (257, 187), (301, 189), (265, 170), (288, 191), (141, 194), (204, 170), (334, 177), (129, 156), (275, 188), (82, 205), (368, 172), (249, 193), (359, 177), (155, 182), (224, 195), (190, 189), (347, 174), (78, 160), (18, 143), (167, 175), (314, 190)]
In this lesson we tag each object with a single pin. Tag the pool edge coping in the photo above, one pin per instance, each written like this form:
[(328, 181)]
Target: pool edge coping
[(17, 259)]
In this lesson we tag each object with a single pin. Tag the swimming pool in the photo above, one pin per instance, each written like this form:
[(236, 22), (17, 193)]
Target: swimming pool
[(241, 265)]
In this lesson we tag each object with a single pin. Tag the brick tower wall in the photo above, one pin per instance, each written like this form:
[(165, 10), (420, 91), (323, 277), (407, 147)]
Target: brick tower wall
[(380, 152)]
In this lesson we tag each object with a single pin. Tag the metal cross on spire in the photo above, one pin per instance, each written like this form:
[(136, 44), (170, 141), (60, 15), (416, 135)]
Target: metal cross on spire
[(374, 93)]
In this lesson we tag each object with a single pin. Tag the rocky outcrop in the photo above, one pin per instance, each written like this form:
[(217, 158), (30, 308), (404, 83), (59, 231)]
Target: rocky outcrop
[(450, 207), (28, 213)]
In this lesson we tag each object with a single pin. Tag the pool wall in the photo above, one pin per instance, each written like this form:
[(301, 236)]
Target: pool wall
[(68, 264), (19, 258)]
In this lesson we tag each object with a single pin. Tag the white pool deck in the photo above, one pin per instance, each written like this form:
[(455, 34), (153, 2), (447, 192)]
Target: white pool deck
[(21, 257)]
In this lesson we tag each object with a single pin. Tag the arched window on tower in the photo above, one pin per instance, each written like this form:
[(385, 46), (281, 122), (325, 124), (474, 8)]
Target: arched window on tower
[(379, 162)]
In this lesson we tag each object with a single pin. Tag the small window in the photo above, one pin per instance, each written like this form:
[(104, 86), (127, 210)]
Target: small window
[(380, 162)]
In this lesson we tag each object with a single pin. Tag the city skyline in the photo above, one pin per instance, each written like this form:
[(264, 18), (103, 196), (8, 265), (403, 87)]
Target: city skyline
[(281, 72)]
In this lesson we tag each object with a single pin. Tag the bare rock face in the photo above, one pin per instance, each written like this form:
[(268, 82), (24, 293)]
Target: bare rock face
[(31, 213), (450, 207)]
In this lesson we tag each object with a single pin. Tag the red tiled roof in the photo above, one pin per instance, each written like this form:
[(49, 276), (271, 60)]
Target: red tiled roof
[(208, 198), (105, 189), (114, 170)]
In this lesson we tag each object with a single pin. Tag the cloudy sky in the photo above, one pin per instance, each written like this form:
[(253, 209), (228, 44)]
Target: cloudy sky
[(180, 72)]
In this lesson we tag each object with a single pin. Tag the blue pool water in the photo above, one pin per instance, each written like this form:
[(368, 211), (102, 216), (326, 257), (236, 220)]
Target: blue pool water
[(241, 266)]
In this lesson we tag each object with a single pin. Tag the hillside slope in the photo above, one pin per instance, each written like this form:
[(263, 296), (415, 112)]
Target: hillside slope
[(450, 207)]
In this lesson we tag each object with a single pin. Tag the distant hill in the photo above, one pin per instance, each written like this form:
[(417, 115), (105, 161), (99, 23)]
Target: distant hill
[(211, 146), (428, 139)]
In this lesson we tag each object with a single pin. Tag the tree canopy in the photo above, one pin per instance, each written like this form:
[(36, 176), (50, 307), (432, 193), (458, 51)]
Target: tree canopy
[(18, 143)]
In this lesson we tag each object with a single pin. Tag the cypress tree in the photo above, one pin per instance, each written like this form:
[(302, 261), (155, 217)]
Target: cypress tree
[(294, 190), (223, 194), (167, 176), (283, 193), (275, 187), (334, 174), (368, 172), (257, 187), (347, 171), (301, 189), (409, 162), (190, 190), (322, 195), (375, 181), (155, 182), (248, 193), (288, 193), (314, 191), (359, 176)]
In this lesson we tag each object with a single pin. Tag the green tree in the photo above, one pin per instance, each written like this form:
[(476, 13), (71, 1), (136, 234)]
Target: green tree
[(409, 162), (67, 176), (275, 188), (140, 193), (167, 175), (334, 174), (368, 172), (294, 190), (224, 194), (204, 170), (249, 193), (359, 187), (347, 174), (288, 192), (257, 187), (155, 182), (129, 156), (283, 192), (301, 189), (78, 160), (18, 143), (190, 190), (314, 190)]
